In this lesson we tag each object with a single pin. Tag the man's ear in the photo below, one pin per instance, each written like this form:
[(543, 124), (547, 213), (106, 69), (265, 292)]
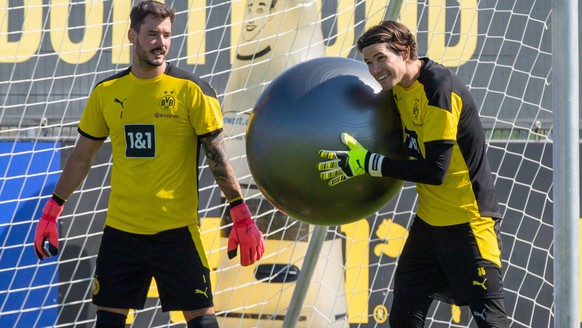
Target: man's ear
[(406, 54), (131, 35)]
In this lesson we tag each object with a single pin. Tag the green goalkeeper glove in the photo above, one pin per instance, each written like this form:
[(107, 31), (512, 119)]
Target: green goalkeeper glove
[(343, 165)]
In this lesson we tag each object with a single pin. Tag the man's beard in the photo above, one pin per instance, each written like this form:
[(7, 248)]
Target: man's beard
[(142, 55)]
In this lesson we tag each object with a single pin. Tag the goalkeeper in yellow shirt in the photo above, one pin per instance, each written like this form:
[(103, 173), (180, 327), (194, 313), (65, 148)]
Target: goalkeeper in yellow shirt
[(157, 117), (453, 250)]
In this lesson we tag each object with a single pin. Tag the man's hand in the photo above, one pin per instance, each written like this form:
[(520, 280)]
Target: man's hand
[(343, 165), (47, 229), (246, 235)]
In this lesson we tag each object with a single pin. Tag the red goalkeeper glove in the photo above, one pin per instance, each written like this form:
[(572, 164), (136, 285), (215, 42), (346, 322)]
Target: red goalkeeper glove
[(244, 234), (47, 229)]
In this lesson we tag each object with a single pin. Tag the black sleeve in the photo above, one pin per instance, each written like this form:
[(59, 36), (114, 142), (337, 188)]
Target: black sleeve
[(431, 170)]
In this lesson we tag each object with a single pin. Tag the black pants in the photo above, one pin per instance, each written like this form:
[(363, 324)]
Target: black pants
[(457, 264)]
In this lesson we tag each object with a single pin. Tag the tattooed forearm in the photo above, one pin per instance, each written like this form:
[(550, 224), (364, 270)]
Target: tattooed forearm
[(220, 166)]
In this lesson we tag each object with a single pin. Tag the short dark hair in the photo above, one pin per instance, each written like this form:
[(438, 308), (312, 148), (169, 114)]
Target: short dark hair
[(397, 37), (149, 7)]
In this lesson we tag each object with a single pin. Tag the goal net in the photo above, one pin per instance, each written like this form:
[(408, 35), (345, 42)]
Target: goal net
[(52, 53)]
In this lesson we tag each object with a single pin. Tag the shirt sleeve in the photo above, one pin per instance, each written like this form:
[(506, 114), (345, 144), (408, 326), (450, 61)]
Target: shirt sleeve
[(93, 124), (430, 170), (206, 116)]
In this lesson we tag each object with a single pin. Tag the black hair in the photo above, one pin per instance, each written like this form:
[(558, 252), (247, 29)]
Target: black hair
[(149, 7), (395, 35)]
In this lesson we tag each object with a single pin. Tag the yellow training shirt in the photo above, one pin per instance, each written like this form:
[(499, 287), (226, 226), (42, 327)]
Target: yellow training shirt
[(154, 126), (438, 108)]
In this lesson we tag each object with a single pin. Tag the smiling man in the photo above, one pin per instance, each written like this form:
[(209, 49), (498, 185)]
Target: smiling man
[(453, 250), (158, 118)]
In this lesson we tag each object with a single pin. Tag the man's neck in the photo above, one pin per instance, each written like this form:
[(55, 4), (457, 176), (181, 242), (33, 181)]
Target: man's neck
[(149, 72)]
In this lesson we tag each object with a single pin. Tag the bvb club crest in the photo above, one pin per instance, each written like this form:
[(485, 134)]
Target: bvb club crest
[(168, 101)]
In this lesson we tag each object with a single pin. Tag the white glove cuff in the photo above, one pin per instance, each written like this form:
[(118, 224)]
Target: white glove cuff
[(375, 165)]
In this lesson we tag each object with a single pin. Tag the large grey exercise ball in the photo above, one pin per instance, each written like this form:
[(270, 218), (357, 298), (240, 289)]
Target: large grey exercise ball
[(305, 109)]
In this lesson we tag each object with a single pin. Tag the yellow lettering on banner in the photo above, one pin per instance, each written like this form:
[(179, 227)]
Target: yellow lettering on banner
[(455, 313), (392, 237), (376, 12), (120, 45), (237, 16), (447, 54), (345, 37), (357, 270), (82, 51), (195, 40), (409, 16), (130, 317), (23, 49), (463, 50)]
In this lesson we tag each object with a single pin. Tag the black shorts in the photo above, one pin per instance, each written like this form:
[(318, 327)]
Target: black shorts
[(175, 258), (456, 264)]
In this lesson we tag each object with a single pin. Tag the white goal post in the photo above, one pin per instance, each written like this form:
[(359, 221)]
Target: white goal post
[(566, 156), (518, 58)]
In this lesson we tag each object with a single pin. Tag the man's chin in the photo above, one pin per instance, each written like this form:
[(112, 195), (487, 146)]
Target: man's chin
[(387, 85), (156, 62)]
